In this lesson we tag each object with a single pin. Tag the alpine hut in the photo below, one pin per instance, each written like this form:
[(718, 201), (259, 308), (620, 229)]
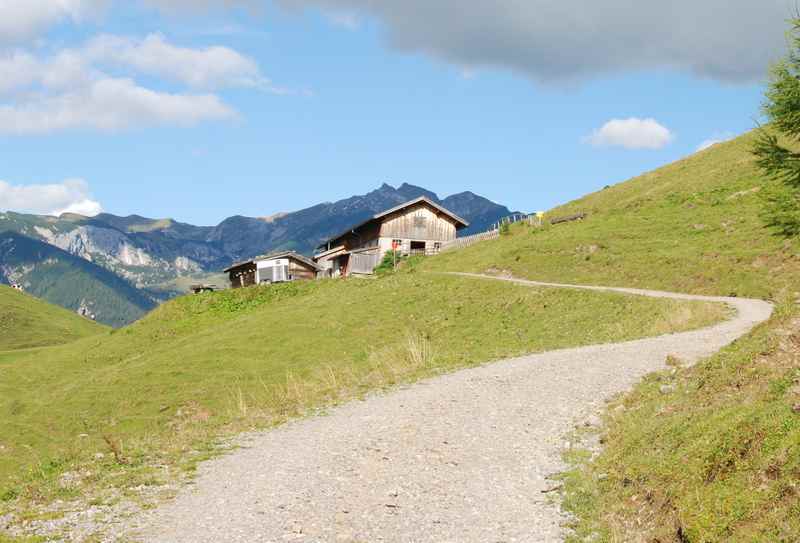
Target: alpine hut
[(420, 226)]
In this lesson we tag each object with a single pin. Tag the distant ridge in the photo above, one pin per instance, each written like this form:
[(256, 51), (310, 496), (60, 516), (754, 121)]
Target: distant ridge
[(150, 251)]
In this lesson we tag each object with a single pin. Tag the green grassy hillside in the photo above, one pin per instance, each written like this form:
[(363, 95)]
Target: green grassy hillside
[(204, 366), (719, 459), (27, 322), (692, 226)]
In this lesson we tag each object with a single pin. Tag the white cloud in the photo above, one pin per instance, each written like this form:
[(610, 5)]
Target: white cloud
[(632, 133), (110, 105), (557, 41), (21, 20), (19, 70), (73, 89), (69, 196), (209, 67), (715, 139)]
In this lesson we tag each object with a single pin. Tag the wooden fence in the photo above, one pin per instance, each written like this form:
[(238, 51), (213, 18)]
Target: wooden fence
[(466, 241), (535, 220), (364, 263), (511, 219)]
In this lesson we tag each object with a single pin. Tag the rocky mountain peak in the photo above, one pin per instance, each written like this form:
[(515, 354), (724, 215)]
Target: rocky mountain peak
[(149, 252)]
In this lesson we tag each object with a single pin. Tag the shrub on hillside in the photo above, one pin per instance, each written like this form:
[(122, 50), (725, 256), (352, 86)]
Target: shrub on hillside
[(387, 265)]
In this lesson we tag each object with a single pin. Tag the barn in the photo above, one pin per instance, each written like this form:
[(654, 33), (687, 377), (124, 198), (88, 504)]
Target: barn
[(417, 227), (274, 268)]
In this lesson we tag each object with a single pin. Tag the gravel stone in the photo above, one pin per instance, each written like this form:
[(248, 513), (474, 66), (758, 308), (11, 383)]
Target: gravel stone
[(463, 457), (666, 389)]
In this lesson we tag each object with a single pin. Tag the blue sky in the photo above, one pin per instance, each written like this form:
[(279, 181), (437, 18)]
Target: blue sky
[(334, 99)]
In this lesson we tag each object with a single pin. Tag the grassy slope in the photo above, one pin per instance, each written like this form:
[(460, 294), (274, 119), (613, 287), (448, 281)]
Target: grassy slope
[(204, 365), (719, 460), (691, 226), (27, 322)]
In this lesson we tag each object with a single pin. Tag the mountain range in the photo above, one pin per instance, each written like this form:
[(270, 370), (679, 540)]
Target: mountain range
[(147, 258)]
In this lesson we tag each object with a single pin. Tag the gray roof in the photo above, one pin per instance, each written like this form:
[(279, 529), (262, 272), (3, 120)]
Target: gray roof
[(275, 256), (382, 214)]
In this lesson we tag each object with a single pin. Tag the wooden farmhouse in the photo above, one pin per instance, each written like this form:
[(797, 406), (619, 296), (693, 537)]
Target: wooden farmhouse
[(420, 226), (274, 268)]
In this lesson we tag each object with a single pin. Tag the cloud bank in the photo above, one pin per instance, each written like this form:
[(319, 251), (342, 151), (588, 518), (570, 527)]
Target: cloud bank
[(632, 133), (548, 41), (69, 196), (552, 42)]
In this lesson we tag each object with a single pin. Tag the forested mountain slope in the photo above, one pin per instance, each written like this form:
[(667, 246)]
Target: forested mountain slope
[(70, 282)]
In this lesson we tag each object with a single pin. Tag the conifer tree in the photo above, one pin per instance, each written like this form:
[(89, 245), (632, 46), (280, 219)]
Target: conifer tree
[(775, 145)]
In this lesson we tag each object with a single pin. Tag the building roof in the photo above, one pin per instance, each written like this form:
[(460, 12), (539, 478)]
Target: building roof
[(275, 256), (332, 251), (460, 223)]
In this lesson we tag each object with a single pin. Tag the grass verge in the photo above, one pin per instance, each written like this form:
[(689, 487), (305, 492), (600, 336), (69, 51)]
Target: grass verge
[(717, 459)]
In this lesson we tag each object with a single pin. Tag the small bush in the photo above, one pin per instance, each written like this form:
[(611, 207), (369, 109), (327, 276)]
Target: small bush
[(505, 229), (387, 265), (8, 495)]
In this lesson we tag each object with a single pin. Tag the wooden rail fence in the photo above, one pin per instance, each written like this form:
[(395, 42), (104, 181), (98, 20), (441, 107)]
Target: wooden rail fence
[(466, 241), (536, 220)]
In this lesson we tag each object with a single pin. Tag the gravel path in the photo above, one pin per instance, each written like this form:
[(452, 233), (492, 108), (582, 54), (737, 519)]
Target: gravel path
[(460, 458)]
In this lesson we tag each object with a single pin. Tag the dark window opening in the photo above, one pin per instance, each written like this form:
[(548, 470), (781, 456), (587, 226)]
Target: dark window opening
[(417, 247)]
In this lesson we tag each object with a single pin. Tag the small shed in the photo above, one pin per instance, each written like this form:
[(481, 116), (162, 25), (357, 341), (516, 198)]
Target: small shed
[(202, 288), (274, 268)]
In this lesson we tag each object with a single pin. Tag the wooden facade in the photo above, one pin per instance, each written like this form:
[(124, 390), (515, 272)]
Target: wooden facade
[(417, 227), (419, 223), (274, 268)]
